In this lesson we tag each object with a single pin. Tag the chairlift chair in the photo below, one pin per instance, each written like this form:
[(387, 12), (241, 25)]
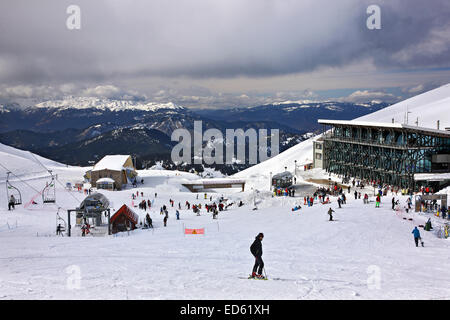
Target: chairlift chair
[(49, 192), (12, 191), (60, 221)]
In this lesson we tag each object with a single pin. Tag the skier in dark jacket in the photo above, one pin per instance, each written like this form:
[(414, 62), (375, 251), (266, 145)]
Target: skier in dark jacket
[(428, 226), (11, 203), (330, 213), (149, 221), (256, 250)]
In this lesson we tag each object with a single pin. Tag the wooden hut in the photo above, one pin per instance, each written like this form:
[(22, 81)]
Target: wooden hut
[(124, 219)]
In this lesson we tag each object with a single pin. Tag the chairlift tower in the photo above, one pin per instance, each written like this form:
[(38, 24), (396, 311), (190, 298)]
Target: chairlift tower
[(270, 181), (295, 168)]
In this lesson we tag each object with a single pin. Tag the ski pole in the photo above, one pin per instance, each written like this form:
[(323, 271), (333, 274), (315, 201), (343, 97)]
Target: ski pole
[(264, 269)]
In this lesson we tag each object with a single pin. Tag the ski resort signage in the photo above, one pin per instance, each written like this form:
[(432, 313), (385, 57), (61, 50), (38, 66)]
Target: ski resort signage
[(216, 144), (194, 231)]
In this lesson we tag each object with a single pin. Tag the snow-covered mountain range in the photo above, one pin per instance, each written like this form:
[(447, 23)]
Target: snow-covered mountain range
[(106, 104), (297, 114)]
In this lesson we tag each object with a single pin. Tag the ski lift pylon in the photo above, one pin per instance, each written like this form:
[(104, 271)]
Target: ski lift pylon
[(49, 192), (12, 191)]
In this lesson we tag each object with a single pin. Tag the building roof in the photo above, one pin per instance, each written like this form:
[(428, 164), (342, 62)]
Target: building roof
[(283, 175), (95, 201), (221, 181), (216, 181), (111, 162), (382, 125), (125, 210)]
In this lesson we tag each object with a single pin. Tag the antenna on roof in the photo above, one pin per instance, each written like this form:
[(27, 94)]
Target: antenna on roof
[(407, 112)]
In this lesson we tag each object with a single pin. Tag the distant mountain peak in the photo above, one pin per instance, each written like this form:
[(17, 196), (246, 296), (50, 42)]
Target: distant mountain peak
[(300, 102), (106, 104)]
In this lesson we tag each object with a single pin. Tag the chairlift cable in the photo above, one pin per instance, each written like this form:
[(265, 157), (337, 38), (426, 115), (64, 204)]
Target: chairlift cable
[(19, 178), (49, 171), (24, 182)]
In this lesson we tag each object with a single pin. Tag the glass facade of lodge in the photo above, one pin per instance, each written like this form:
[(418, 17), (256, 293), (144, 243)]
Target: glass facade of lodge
[(388, 155)]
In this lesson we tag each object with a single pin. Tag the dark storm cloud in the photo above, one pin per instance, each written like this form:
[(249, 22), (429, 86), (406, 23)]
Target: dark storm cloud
[(415, 34), (222, 39)]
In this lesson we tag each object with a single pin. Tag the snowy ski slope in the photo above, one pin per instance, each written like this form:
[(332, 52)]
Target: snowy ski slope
[(367, 253), (316, 259)]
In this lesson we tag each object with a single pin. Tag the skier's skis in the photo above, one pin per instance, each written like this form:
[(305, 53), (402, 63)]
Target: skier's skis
[(254, 278)]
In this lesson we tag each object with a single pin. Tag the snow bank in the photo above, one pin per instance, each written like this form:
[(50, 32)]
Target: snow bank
[(258, 176), (428, 107), (22, 163)]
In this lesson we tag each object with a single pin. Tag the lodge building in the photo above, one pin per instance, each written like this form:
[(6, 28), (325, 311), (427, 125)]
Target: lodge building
[(387, 153), (112, 172)]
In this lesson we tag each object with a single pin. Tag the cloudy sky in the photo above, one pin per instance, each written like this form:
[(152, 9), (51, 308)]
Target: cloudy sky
[(223, 53)]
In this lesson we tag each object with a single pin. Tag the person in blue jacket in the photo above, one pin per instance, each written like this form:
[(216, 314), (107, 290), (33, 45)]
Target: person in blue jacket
[(417, 237)]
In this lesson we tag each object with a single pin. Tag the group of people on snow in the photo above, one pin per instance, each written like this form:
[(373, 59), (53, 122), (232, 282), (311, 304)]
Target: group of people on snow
[(287, 192), (433, 206), (213, 208), (341, 200), (144, 204)]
